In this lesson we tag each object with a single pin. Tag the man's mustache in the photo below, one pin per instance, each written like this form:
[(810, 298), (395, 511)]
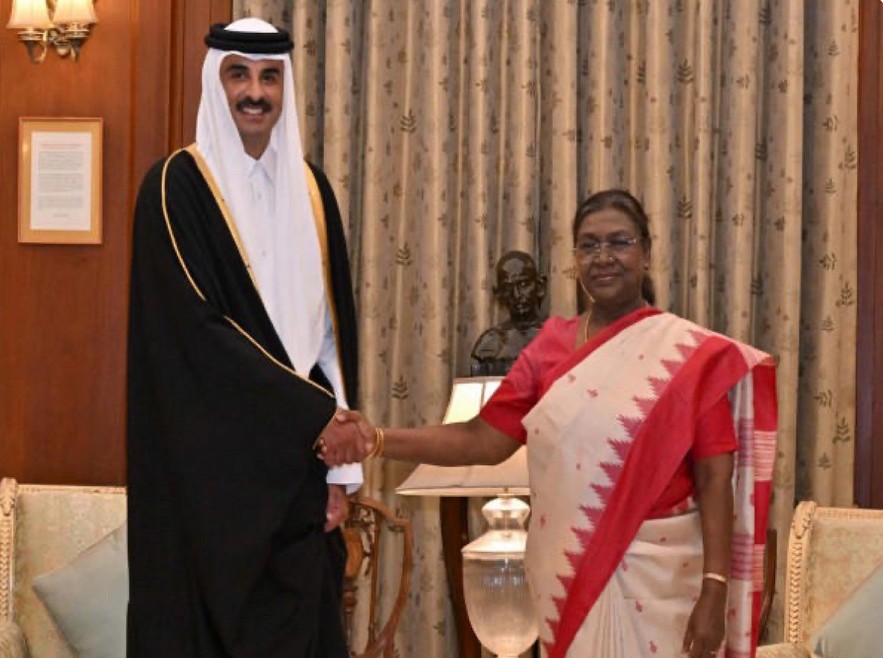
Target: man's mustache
[(260, 104)]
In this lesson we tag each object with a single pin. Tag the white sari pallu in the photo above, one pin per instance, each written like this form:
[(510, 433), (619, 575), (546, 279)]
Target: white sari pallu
[(603, 444)]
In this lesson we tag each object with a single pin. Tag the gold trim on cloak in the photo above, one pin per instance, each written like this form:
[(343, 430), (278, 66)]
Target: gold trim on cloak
[(322, 233), (206, 173)]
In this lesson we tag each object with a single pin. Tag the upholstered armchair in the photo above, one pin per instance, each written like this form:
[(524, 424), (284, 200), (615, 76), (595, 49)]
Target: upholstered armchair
[(831, 551), (43, 527)]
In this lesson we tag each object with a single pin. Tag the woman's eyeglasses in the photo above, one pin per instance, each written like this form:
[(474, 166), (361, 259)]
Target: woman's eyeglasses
[(592, 248)]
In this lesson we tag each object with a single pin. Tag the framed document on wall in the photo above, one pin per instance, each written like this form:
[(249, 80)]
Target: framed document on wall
[(59, 180)]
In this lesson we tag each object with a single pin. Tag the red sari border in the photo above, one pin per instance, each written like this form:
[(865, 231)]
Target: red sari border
[(663, 439)]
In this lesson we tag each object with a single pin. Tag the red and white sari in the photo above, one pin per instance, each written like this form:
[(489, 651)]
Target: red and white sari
[(603, 443)]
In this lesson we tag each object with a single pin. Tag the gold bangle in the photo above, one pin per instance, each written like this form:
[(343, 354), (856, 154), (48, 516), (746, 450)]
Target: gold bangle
[(379, 439), (711, 575)]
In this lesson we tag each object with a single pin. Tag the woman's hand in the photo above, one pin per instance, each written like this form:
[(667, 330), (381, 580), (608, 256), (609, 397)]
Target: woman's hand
[(714, 491), (705, 630), (347, 439)]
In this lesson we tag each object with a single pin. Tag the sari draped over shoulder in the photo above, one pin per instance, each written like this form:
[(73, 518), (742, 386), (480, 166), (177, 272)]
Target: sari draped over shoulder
[(603, 443)]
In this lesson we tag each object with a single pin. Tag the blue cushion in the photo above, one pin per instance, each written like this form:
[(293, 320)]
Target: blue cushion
[(88, 597), (854, 630)]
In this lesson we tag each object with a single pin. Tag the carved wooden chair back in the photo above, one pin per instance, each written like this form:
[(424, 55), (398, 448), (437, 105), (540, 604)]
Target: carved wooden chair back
[(370, 528)]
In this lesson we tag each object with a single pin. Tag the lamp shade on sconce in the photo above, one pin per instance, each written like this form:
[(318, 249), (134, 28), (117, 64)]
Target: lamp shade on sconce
[(65, 31), (74, 11), (29, 14)]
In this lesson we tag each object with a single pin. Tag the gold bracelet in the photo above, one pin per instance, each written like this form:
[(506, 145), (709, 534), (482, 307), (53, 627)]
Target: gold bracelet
[(379, 439), (711, 575)]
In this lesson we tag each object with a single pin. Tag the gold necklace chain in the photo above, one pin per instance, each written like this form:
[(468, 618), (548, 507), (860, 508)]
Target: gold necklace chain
[(591, 310)]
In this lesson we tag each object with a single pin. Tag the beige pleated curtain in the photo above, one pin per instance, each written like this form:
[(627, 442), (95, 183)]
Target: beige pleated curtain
[(454, 130)]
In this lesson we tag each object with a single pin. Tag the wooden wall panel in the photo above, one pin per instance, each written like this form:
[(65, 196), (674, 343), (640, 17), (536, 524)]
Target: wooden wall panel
[(869, 375), (192, 21), (63, 308)]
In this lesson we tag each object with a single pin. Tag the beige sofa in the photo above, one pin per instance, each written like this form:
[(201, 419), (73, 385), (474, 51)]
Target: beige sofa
[(831, 551), (43, 527)]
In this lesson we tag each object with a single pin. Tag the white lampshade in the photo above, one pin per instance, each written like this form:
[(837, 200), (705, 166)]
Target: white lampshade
[(29, 14), (468, 395), (74, 11), (508, 477)]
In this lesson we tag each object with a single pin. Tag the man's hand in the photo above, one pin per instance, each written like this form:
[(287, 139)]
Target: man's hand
[(338, 509), (347, 438)]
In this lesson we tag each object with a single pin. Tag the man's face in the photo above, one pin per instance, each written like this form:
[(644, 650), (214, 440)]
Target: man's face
[(254, 94), (518, 288)]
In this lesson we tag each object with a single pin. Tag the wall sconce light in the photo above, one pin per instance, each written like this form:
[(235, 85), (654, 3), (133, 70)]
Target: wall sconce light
[(62, 24)]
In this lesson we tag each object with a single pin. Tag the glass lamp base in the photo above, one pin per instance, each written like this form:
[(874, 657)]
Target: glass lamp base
[(495, 586), (499, 605)]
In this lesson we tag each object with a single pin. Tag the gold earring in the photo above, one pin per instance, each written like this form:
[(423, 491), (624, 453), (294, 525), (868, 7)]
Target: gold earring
[(585, 290)]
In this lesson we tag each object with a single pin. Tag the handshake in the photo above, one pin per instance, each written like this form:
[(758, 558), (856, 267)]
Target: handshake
[(348, 438)]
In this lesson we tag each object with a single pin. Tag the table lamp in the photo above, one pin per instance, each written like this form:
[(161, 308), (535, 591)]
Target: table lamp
[(497, 598)]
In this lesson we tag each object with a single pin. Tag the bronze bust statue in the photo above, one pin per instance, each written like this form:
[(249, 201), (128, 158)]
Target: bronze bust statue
[(520, 288)]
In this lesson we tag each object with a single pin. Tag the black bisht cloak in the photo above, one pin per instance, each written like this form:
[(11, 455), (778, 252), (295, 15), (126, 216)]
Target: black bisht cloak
[(228, 558)]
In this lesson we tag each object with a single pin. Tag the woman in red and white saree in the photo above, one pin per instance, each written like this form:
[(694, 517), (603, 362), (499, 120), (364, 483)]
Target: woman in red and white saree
[(615, 552), (650, 444)]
